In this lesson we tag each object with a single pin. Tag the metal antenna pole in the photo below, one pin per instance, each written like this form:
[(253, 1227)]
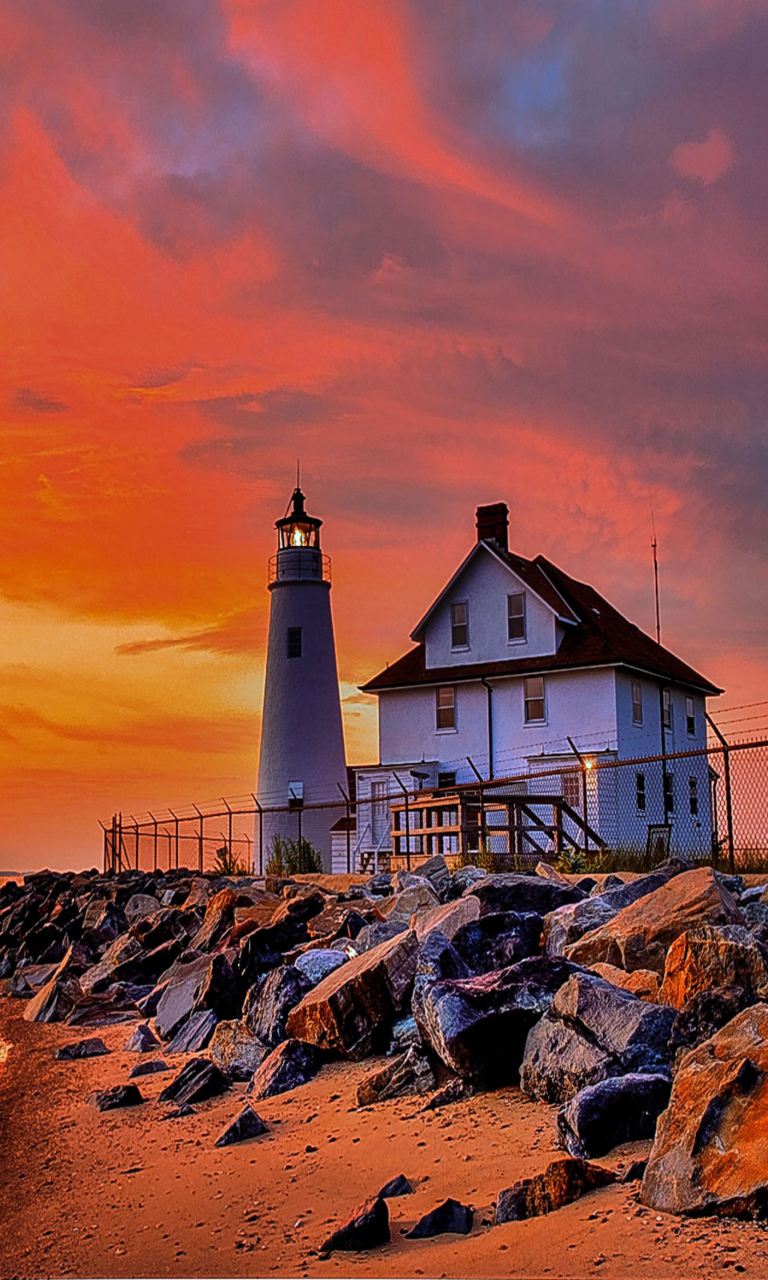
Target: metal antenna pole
[(654, 545)]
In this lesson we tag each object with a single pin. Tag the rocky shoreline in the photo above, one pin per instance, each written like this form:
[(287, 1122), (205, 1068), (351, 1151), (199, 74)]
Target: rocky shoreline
[(635, 1011)]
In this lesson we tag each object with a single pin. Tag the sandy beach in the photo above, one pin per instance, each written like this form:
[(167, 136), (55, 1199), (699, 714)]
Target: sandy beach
[(130, 1194)]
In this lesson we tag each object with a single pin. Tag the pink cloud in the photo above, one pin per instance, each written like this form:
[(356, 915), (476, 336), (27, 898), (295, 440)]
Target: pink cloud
[(705, 161)]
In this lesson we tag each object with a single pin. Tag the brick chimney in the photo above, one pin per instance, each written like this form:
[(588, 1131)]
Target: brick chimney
[(492, 524)]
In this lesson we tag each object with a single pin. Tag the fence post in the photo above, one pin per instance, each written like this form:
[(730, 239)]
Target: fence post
[(404, 790), (728, 802), (260, 812), (136, 827), (154, 843), (349, 833), (481, 836), (199, 840), (229, 828), (583, 764), (176, 839)]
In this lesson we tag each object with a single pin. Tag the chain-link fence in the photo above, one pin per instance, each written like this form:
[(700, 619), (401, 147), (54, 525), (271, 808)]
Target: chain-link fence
[(709, 805)]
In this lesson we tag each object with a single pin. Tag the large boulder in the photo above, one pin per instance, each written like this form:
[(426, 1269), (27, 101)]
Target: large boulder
[(317, 964), (236, 1051), (418, 896), (642, 933), (290, 1065), (207, 982), (567, 924), (562, 1182), (508, 892), (435, 870), (409, 1072), (263, 948), (708, 957), (352, 1010), (478, 1025), (448, 918), (619, 1109), (379, 931), (342, 919), (498, 940), (197, 1080), (703, 1015), (269, 1002), (124, 949), (194, 1034), (139, 905), (593, 1030), (61, 993), (641, 982), (366, 1229), (710, 1155)]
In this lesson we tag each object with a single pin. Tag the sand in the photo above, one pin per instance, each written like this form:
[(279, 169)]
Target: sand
[(129, 1194)]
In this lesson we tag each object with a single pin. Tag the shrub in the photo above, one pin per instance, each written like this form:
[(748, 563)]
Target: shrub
[(289, 857), (228, 863)]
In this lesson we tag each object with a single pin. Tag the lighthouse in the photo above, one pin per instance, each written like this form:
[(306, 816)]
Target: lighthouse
[(302, 760)]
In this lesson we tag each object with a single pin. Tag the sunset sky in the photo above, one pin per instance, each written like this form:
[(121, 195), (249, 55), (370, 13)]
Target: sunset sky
[(444, 251)]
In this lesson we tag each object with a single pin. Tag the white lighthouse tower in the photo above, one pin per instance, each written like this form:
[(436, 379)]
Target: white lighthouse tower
[(302, 758)]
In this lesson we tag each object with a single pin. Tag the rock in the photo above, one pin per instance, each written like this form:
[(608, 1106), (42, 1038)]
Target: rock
[(352, 1010), (151, 1067), (498, 940), (616, 1110), (462, 879), (380, 931), (366, 1229), (342, 919), (448, 917), (141, 1040), (116, 1004), (643, 983), (198, 1079), (708, 957), (405, 1033), (140, 905), (236, 1051), (200, 894), (379, 886), (709, 1154), (450, 1216), (119, 955), (454, 1091), (418, 897), (568, 924), (591, 1031), (435, 870), (263, 949), (246, 1125), (507, 892), (269, 1002), (104, 922), (56, 1000), (195, 1033), (178, 1113), (635, 1172), (755, 913), (548, 872), (408, 1073), (207, 982), (290, 1065), (93, 1048), (478, 1025), (316, 965), (587, 884), (704, 1014), (642, 933), (562, 1182), (219, 918), (120, 1095), (399, 1186)]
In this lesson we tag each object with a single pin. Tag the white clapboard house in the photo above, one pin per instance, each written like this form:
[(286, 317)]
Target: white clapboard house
[(518, 670)]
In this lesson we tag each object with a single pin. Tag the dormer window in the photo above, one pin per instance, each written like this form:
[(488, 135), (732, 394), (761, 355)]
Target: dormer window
[(516, 616), (460, 625)]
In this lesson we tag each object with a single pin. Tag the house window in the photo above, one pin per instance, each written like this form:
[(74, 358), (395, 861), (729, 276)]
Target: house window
[(637, 702), (380, 806), (459, 626), (690, 720), (534, 698), (446, 780), (571, 784), (446, 707), (666, 708), (294, 642), (669, 793), (295, 795), (516, 616), (693, 796), (640, 791)]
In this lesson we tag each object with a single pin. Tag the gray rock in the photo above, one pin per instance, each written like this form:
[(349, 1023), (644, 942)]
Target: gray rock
[(269, 1002), (366, 1229), (151, 1067), (562, 1182), (379, 931), (93, 1048), (408, 1073), (450, 1216), (504, 892), (195, 1033), (593, 1030), (120, 1095), (436, 871), (617, 1110), (405, 1034), (316, 965), (140, 905), (141, 1040), (197, 1080), (246, 1125), (290, 1065), (236, 1051), (399, 1186)]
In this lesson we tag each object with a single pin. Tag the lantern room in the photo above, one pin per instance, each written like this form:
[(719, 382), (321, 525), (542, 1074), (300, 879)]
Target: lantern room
[(297, 529)]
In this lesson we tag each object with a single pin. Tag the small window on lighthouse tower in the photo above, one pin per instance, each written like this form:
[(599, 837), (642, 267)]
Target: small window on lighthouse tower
[(294, 642)]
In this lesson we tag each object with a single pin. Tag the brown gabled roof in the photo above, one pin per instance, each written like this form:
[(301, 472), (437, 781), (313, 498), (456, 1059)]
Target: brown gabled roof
[(602, 637)]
